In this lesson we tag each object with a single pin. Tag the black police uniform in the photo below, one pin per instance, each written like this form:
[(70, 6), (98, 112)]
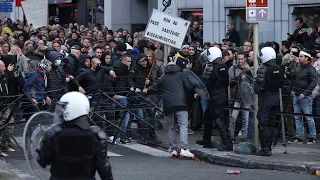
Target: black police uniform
[(270, 77), (216, 79), (75, 151)]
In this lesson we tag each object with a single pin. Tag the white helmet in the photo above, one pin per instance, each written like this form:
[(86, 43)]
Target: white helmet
[(213, 53), (266, 54), (72, 105)]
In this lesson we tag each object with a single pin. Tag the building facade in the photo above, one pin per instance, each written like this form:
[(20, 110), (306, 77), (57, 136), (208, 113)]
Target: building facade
[(215, 14)]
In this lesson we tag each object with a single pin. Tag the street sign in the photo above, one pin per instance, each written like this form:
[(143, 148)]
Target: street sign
[(257, 11), (166, 29), (1, 1), (6, 7), (257, 3), (171, 9)]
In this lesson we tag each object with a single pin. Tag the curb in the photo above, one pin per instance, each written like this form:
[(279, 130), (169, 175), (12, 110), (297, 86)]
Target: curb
[(236, 161)]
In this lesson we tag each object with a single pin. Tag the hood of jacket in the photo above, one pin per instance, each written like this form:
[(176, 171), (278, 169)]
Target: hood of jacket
[(171, 69)]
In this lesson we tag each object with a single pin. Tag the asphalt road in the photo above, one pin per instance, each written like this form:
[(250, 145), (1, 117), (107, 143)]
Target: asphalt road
[(138, 162)]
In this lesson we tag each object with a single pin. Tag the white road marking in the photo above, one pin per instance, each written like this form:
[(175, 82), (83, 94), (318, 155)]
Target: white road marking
[(9, 168), (147, 150), (111, 154)]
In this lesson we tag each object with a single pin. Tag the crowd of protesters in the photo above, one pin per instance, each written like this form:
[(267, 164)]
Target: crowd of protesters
[(45, 63)]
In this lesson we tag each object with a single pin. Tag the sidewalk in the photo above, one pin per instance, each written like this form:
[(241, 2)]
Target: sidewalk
[(7, 172), (299, 158)]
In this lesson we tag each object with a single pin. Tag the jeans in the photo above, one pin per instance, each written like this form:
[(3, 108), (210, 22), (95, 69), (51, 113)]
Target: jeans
[(304, 106), (245, 119), (125, 117), (182, 119)]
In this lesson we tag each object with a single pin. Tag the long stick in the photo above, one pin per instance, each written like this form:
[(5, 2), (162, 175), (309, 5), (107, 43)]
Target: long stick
[(154, 61)]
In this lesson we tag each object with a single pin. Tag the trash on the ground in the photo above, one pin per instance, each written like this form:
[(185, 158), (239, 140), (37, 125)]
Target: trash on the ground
[(233, 172)]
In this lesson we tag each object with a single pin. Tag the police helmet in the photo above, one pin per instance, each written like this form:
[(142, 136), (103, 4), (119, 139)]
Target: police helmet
[(266, 54), (72, 105), (212, 54)]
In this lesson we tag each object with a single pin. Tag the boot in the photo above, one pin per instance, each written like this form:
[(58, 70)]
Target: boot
[(264, 152), (225, 148), (204, 143)]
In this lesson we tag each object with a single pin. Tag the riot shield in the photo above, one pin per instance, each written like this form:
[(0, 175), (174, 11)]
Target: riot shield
[(32, 137), (200, 88), (247, 89)]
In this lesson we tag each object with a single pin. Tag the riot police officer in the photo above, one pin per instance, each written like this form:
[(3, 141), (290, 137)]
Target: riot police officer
[(216, 79), (73, 148), (270, 77)]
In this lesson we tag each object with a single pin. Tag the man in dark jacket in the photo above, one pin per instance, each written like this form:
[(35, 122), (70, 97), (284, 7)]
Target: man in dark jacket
[(4, 111), (56, 78), (84, 63), (141, 80), (300, 35), (118, 89), (232, 34), (73, 59), (305, 78), (174, 86)]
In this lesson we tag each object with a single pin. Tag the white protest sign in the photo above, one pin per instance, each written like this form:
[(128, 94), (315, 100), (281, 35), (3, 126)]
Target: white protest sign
[(36, 12), (171, 10), (166, 29)]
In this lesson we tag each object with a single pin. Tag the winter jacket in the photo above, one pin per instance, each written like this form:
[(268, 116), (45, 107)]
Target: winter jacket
[(122, 83), (22, 64), (233, 36), (74, 64), (197, 62), (234, 74), (300, 38), (35, 85), (140, 74), (173, 86), (305, 80), (56, 86)]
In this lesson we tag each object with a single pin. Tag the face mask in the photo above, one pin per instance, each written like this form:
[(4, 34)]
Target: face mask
[(32, 39), (58, 62), (98, 67)]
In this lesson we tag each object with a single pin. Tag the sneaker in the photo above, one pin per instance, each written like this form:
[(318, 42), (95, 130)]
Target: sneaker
[(125, 141), (11, 150), (311, 141), (174, 154), (186, 153), (191, 132), (8, 150), (110, 139), (2, 154), (297, 140)]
